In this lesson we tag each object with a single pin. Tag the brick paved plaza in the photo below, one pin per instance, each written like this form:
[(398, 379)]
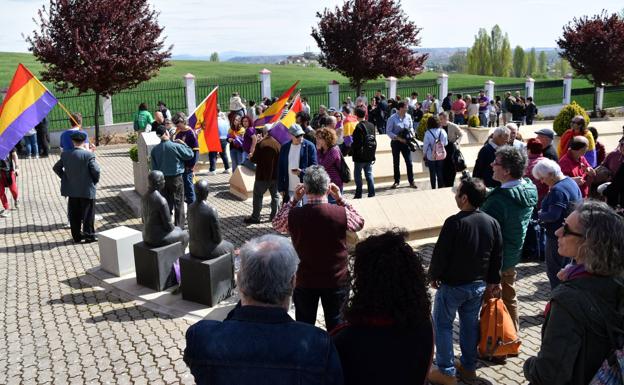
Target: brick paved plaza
[(56, 328)]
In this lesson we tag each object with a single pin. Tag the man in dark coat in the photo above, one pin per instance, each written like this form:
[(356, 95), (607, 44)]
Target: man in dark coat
[(79, 173)]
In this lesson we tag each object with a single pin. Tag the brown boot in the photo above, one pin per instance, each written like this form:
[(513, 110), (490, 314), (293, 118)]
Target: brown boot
[(464, 374), (437, 377)]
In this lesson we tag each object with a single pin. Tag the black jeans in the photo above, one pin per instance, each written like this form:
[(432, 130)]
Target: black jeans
[(212, 157), (260, 187), (306, 304), (43, 140), (174, 194), (399, 148), (81, 213)]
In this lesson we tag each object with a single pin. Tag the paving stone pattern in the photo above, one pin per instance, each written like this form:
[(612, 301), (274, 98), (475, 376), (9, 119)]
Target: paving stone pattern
[(56, 328)]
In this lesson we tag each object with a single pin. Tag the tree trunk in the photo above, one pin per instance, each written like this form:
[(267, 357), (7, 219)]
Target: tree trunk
[(358, 88), (97, 120)]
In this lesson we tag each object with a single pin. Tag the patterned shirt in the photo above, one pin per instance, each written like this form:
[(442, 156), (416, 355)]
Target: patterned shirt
[(355, 222)]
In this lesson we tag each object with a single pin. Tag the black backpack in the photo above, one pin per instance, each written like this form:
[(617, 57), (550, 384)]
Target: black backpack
[(369, 146)]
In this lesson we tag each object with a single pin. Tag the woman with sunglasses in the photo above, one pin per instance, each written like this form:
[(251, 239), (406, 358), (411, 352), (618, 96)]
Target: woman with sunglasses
[(578, 332), (564, 192), (578, 126)]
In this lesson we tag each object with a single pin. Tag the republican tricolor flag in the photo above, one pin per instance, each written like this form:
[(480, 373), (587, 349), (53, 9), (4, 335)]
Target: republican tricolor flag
[(26, 103), (273, 113), (205, 117), (280, 129)]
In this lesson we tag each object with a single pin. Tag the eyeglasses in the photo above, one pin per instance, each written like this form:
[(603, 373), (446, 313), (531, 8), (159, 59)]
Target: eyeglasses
[(567, 231)]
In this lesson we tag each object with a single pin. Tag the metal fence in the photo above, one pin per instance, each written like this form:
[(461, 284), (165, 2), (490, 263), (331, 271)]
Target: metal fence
[(126, 103), (613, 97), (85, 104), (316, 96), (584, 97), (369, 89), (421, 87), (513, 88), (548, 92), (464, 91), (249, 88)]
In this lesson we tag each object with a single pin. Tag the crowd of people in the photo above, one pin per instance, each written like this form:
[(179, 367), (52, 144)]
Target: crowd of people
[(382, 325)]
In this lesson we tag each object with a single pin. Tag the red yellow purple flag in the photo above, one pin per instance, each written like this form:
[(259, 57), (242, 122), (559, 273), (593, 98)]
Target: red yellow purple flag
[(280, 129), (273, 113), (26, 103), (205, 117)]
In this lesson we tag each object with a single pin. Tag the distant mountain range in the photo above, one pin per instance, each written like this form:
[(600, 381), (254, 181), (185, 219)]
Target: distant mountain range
[(437, 56)]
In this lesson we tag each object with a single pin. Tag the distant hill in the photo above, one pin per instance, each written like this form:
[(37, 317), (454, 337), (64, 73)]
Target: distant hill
[(268, 59)]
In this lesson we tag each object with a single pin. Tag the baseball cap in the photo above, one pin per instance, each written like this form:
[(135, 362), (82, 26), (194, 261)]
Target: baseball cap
[(546, 132), (296, 130)]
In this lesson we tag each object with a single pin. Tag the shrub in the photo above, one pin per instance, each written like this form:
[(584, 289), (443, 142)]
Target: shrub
[(134, 153), (132, 137), (564, 117), (474, 121), (422, 126)]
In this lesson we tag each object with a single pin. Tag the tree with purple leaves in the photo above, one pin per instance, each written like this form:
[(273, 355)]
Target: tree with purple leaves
[(365, 39), (101, 45), (594, 47)]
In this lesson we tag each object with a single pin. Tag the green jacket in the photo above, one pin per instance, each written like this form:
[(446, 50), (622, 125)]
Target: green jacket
[(574, 336), (141, 119), (512, 208)]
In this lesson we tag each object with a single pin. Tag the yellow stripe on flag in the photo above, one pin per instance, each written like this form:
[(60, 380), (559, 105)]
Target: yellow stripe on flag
[(19, 102), (201, 138)]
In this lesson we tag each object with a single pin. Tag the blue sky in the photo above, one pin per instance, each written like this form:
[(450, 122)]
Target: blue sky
[(197, 27)]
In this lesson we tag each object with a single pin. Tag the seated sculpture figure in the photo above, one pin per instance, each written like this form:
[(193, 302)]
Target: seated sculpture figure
[(203, 222), (158, 230)]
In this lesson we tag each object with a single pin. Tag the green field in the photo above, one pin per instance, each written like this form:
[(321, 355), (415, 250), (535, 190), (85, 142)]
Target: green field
[(169, 86)]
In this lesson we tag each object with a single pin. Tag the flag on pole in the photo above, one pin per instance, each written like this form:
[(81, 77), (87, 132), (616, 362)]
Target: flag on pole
[(280, 129), (273, 113), (348, 126), (205, 117), (26, 103)]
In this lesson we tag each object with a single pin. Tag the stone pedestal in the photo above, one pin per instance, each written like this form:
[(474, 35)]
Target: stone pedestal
[(145, 142), (116, 249), (242, 182), (207, 281), (153, 264)]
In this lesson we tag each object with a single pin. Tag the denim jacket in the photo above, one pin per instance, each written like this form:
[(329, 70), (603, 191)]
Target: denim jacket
[(260, 345)]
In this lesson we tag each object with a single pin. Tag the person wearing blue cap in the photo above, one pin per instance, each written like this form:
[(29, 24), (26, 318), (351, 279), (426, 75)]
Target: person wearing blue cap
[(79, 173)]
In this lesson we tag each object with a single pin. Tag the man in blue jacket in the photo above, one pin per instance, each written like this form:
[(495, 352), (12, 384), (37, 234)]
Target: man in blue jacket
[(168, 157), (295, 156), (258, 342)]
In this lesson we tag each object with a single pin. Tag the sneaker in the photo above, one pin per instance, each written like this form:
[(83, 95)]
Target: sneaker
[(464, 374), (226, 171), (437, 377), (4, 214), (394, 186)]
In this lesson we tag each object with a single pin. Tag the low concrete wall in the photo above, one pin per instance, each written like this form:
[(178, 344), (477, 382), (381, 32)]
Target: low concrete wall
[(119, 128)]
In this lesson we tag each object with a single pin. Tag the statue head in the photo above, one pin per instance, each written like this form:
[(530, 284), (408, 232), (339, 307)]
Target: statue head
[(201, 189), (155, 180)]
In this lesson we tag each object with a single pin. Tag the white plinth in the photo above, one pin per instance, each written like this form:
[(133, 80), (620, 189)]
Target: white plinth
[(116, 249)]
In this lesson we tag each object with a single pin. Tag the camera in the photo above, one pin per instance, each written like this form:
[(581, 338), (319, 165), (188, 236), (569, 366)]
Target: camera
[(411, 142)]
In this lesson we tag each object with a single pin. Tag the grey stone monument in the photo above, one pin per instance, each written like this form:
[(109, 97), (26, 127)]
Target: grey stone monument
[(207, 272)]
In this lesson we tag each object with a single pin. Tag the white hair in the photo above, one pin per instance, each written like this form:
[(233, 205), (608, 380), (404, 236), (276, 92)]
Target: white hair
[(512, 126), (500, 131), (267, 267), (546, 167)]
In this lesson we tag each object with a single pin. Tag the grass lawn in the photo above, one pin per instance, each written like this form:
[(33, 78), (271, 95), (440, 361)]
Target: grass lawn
[(169, 86)]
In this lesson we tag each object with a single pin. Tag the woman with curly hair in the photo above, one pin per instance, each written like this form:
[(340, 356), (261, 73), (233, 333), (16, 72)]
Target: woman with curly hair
[(387, 337), (586, 310), (329, 155)]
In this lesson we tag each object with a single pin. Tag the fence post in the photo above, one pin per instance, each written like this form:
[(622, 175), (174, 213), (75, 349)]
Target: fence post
[(529, 87), (442, 86), (191, 103), (489, 89), (567, 89), (265, 79), (391, 85), (106, 103), (334, 94), (599, 97)]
